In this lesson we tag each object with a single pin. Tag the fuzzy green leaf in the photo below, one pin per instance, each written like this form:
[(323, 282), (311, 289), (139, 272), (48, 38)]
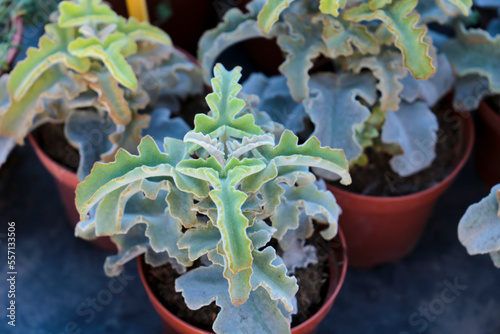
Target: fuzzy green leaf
[(235, 27), (126, 169), (232, 224), (225, 108), (479, 228), (301, 46), (333, 96), (332, 6), (143, 31), (270, 13), (85, 12), (112, 53), (52, 49), (387, 68), (413, 128), (400, 19), (18, 116), (475, 52)]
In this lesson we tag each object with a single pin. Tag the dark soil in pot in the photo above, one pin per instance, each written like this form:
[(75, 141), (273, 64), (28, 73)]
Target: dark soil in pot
[(378, 179), (313, 285), (53, 142)]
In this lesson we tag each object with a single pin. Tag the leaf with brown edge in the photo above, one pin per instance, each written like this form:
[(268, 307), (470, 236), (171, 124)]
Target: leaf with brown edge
[(112, 53), (401, 20), (17, 118), (52, 49)]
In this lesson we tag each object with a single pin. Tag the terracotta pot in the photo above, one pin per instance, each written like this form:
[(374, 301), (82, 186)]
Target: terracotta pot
[(173, 325), (487, 150), (384, 229), (185, 26), (66, 182), (16, 41)]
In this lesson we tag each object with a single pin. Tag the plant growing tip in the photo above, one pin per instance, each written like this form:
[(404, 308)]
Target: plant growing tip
[(220, 195)]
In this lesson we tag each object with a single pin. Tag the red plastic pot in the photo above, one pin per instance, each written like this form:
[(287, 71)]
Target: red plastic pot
[(384, 229), (487, 150), (174, 325), (66, 182), (188, 22)]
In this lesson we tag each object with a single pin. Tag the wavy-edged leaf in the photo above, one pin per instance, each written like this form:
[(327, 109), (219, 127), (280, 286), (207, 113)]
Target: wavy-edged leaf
[(387, 67), (110, 95), (143, 31), (127, 137), (340, 36), (309, 154), (316, 203), (89, 132), (126, 169), (112, 53), (336, 111), (479, 228), (52, 49), (233, 224), (162, 124), (432, 90), (259, 314), (236, 27), (402, 21), (332, 6), (225, 108), (475, 52), (85, 12), (275, 99), (464, 5), (270, 13), (414, 129), (18, 116), (299, 255), (200, 240), (301, 46), (270, 272)]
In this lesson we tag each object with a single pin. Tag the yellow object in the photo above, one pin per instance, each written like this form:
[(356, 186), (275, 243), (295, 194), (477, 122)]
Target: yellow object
[(138, 9)]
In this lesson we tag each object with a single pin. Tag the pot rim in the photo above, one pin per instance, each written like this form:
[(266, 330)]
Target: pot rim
[(468, 133), (332, 293)]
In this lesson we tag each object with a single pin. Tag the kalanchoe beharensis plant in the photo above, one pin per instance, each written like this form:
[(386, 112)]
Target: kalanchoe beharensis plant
[(479, 228), (219, 196), (475, 56), (95, 71), (372, 98)]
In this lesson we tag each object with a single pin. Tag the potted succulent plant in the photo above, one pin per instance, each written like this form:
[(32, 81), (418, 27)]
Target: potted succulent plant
[(474, 54), (95, 83), (479, 228), (11, 28), (230, 210), (395, 130)]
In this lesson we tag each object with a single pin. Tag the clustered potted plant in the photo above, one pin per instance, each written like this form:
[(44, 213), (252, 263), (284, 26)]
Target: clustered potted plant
[(474, 54), (479, 228), (366, 99), (218, 206), (95, 83)]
